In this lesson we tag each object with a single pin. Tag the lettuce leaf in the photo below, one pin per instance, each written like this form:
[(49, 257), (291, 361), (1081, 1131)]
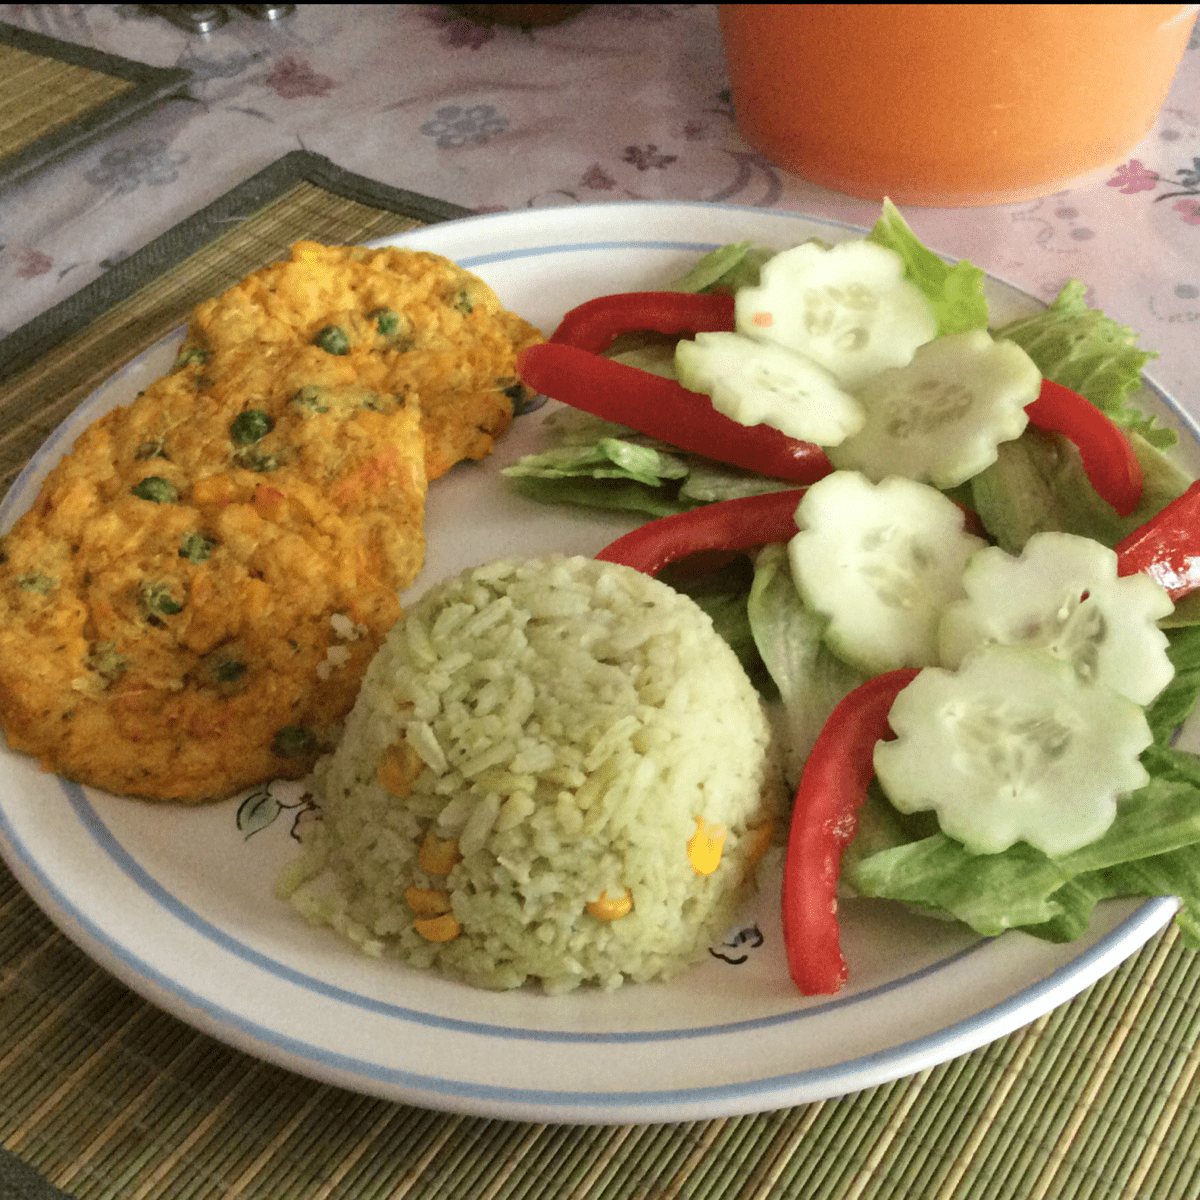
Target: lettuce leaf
[(1176, 873), (605, 458), (620, 495), (709, 481), (593, 463), (1038, 483), (810, 678), (1174, 704), (1023, 888), (724, 269), (954, 289), (1092, 354)]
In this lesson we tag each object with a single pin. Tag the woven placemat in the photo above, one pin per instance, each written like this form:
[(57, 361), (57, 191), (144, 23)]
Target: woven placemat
[(55, 96), (111, 1099), (108, 1098)]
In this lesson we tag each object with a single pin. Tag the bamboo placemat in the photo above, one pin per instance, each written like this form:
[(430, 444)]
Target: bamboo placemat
[(111, 1099), (39, 95), (108, 1098), (55, 96)]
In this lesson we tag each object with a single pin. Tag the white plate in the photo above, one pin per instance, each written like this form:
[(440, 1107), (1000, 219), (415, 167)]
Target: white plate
[(178, 902)]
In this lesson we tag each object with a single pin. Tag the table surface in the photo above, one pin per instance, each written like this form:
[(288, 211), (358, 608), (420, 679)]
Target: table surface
[(622, 102)]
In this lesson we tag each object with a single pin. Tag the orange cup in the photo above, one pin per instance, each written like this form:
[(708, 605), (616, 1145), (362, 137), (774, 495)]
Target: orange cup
[(950, 104)]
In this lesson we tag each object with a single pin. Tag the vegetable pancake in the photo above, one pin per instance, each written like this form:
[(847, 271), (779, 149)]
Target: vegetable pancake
[(396, 319), (189, 605)]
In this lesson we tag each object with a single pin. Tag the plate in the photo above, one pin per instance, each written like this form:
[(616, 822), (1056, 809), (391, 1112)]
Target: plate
[(178, 902)]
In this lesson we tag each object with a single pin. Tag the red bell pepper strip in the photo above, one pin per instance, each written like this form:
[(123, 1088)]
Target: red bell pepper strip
[(665, 410), (727, 525), (594, 324), (824, 821), (1167, 547), (1108, 456)]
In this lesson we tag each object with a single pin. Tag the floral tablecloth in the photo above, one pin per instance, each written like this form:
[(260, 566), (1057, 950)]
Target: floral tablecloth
[(624, 101)]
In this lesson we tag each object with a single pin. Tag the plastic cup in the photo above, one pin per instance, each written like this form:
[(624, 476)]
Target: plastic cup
[(950, 104)]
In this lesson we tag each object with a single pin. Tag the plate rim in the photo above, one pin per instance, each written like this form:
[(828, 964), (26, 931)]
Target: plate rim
[(564, 1105)]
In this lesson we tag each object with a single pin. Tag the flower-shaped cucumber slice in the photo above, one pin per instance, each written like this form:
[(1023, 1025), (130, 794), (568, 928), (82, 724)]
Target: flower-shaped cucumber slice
[(1063, 594), (880, 562), (848, 307), (757, 383), (940, 418), (1013, 746)]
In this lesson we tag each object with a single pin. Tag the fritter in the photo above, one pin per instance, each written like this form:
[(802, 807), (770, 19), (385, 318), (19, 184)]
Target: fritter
[(190, 604), (403, 320)]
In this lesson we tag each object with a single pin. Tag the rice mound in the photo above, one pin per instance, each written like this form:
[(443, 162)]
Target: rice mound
[(567, 721)]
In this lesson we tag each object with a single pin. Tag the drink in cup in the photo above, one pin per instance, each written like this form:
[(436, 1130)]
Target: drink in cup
[(949, 104)]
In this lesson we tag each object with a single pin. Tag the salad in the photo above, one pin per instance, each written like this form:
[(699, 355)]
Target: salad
[(956, 556)]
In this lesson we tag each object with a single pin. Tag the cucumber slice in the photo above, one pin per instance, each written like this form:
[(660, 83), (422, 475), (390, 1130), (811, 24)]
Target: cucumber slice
[(880, 562), (940, 418), (757, 383), (848, 307), (1063, 594), (1013, 747)]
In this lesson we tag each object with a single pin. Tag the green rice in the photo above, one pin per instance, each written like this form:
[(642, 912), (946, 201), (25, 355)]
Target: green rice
[(573, 719)]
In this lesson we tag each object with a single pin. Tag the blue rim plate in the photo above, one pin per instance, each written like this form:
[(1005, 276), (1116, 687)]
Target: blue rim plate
[(178, 902)]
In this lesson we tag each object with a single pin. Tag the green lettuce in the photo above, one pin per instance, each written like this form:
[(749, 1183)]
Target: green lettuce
[(1038, 483), (605, 458), (1092, 354), (1175, 873), (1157, 827), (954, 289), (619, 495), (595, 463), (724, 270), (1174, 704), (810, 678), (708, 481)]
